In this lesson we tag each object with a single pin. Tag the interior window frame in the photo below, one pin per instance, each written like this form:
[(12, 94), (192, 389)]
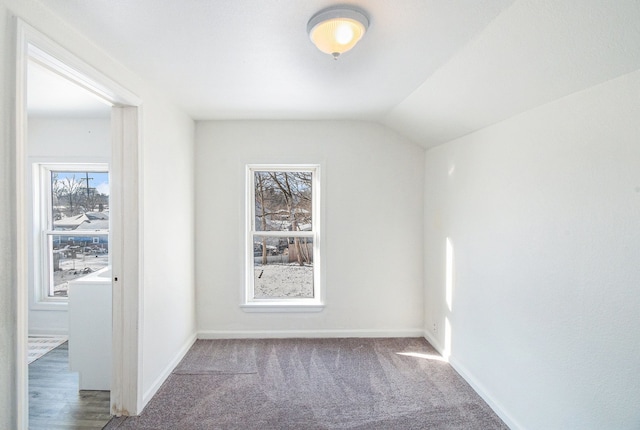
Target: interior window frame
[(282, 304), (43, 229)]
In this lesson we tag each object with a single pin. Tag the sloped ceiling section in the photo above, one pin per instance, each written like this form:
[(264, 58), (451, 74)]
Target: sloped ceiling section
[(433, 70), (533, 53), (252, 59)]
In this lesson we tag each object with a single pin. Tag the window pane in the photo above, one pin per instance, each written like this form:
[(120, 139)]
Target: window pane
[(80, 200), (73, 257), (282, 201), (283, 267)]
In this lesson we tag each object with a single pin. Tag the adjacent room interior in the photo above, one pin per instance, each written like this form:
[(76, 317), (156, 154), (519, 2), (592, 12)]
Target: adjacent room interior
[(467, 174), (68, 153)]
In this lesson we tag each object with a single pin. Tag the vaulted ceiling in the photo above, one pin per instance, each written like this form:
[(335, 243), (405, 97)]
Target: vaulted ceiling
[(433, 70)]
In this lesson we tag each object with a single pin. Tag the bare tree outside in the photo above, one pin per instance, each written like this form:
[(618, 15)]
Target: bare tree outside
[(72, 194), (71, 186), (78, 234), (260, 204), (283, 203)]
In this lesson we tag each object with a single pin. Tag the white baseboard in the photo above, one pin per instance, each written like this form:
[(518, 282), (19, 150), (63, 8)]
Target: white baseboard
[(288, 334), (482, 392), (473, 382), (148, 395), (433, 341)]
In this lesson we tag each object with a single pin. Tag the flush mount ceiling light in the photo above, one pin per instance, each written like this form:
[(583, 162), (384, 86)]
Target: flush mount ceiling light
[(336, 30)]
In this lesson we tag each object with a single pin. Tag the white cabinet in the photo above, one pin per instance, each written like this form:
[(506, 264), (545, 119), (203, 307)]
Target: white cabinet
[(90, 329)]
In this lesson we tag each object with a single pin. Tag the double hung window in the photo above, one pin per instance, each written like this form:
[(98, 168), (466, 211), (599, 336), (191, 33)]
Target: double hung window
[(74, 225), (283, 225)]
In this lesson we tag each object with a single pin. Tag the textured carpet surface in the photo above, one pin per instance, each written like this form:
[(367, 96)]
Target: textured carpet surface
[(314, 384)]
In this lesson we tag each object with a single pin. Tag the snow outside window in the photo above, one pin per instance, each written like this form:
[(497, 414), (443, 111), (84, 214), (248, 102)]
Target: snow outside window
[(283, 237), (74, 225)]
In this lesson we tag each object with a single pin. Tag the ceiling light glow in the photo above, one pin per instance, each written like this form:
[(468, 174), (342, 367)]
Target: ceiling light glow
[(336, 30), (344, 33)]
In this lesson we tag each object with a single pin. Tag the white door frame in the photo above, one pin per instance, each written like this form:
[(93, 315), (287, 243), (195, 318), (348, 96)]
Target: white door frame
[(125, 168)]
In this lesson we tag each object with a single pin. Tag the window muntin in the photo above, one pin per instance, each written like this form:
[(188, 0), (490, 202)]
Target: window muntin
[(74, 225), (283, 232)]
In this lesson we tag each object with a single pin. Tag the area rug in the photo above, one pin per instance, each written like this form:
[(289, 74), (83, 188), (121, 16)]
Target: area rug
[(40, 345)]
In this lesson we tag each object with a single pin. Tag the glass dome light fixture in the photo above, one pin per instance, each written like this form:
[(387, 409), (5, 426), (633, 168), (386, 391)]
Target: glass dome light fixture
[(336, 30)]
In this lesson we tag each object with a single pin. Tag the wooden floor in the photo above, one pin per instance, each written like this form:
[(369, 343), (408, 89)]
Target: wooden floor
[(54, 400)]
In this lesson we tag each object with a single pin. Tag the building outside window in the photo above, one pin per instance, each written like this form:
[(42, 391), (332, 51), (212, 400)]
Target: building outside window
[(74, 225)]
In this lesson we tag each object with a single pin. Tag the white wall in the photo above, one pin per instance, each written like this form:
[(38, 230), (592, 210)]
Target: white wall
[(8, 335), (372, 253), (167, 157), (543, 213), (75, 140), (168, 245), (69, 138)]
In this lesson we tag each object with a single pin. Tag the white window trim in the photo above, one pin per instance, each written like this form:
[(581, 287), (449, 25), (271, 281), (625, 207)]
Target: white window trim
[(42, 219), (251, 304)]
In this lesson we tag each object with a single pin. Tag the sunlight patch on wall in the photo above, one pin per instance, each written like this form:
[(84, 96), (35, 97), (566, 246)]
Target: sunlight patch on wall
[(447, 339), (448, 297), (449, 275), (452, 169)]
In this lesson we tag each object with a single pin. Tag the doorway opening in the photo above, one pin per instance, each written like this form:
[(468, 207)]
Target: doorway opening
[(68, 148), (46, 148)]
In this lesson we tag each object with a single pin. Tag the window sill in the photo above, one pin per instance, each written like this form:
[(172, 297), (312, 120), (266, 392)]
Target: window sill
[(50, 305), (281, 307)]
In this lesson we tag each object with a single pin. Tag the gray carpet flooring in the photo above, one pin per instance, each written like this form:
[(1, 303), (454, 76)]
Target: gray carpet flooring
[(313, 384)]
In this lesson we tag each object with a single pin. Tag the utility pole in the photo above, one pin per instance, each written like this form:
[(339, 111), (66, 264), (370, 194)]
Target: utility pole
[(87, 177)]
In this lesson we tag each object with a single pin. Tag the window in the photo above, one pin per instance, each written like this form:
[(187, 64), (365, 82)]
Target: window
[(74, 226), (283, 226)]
